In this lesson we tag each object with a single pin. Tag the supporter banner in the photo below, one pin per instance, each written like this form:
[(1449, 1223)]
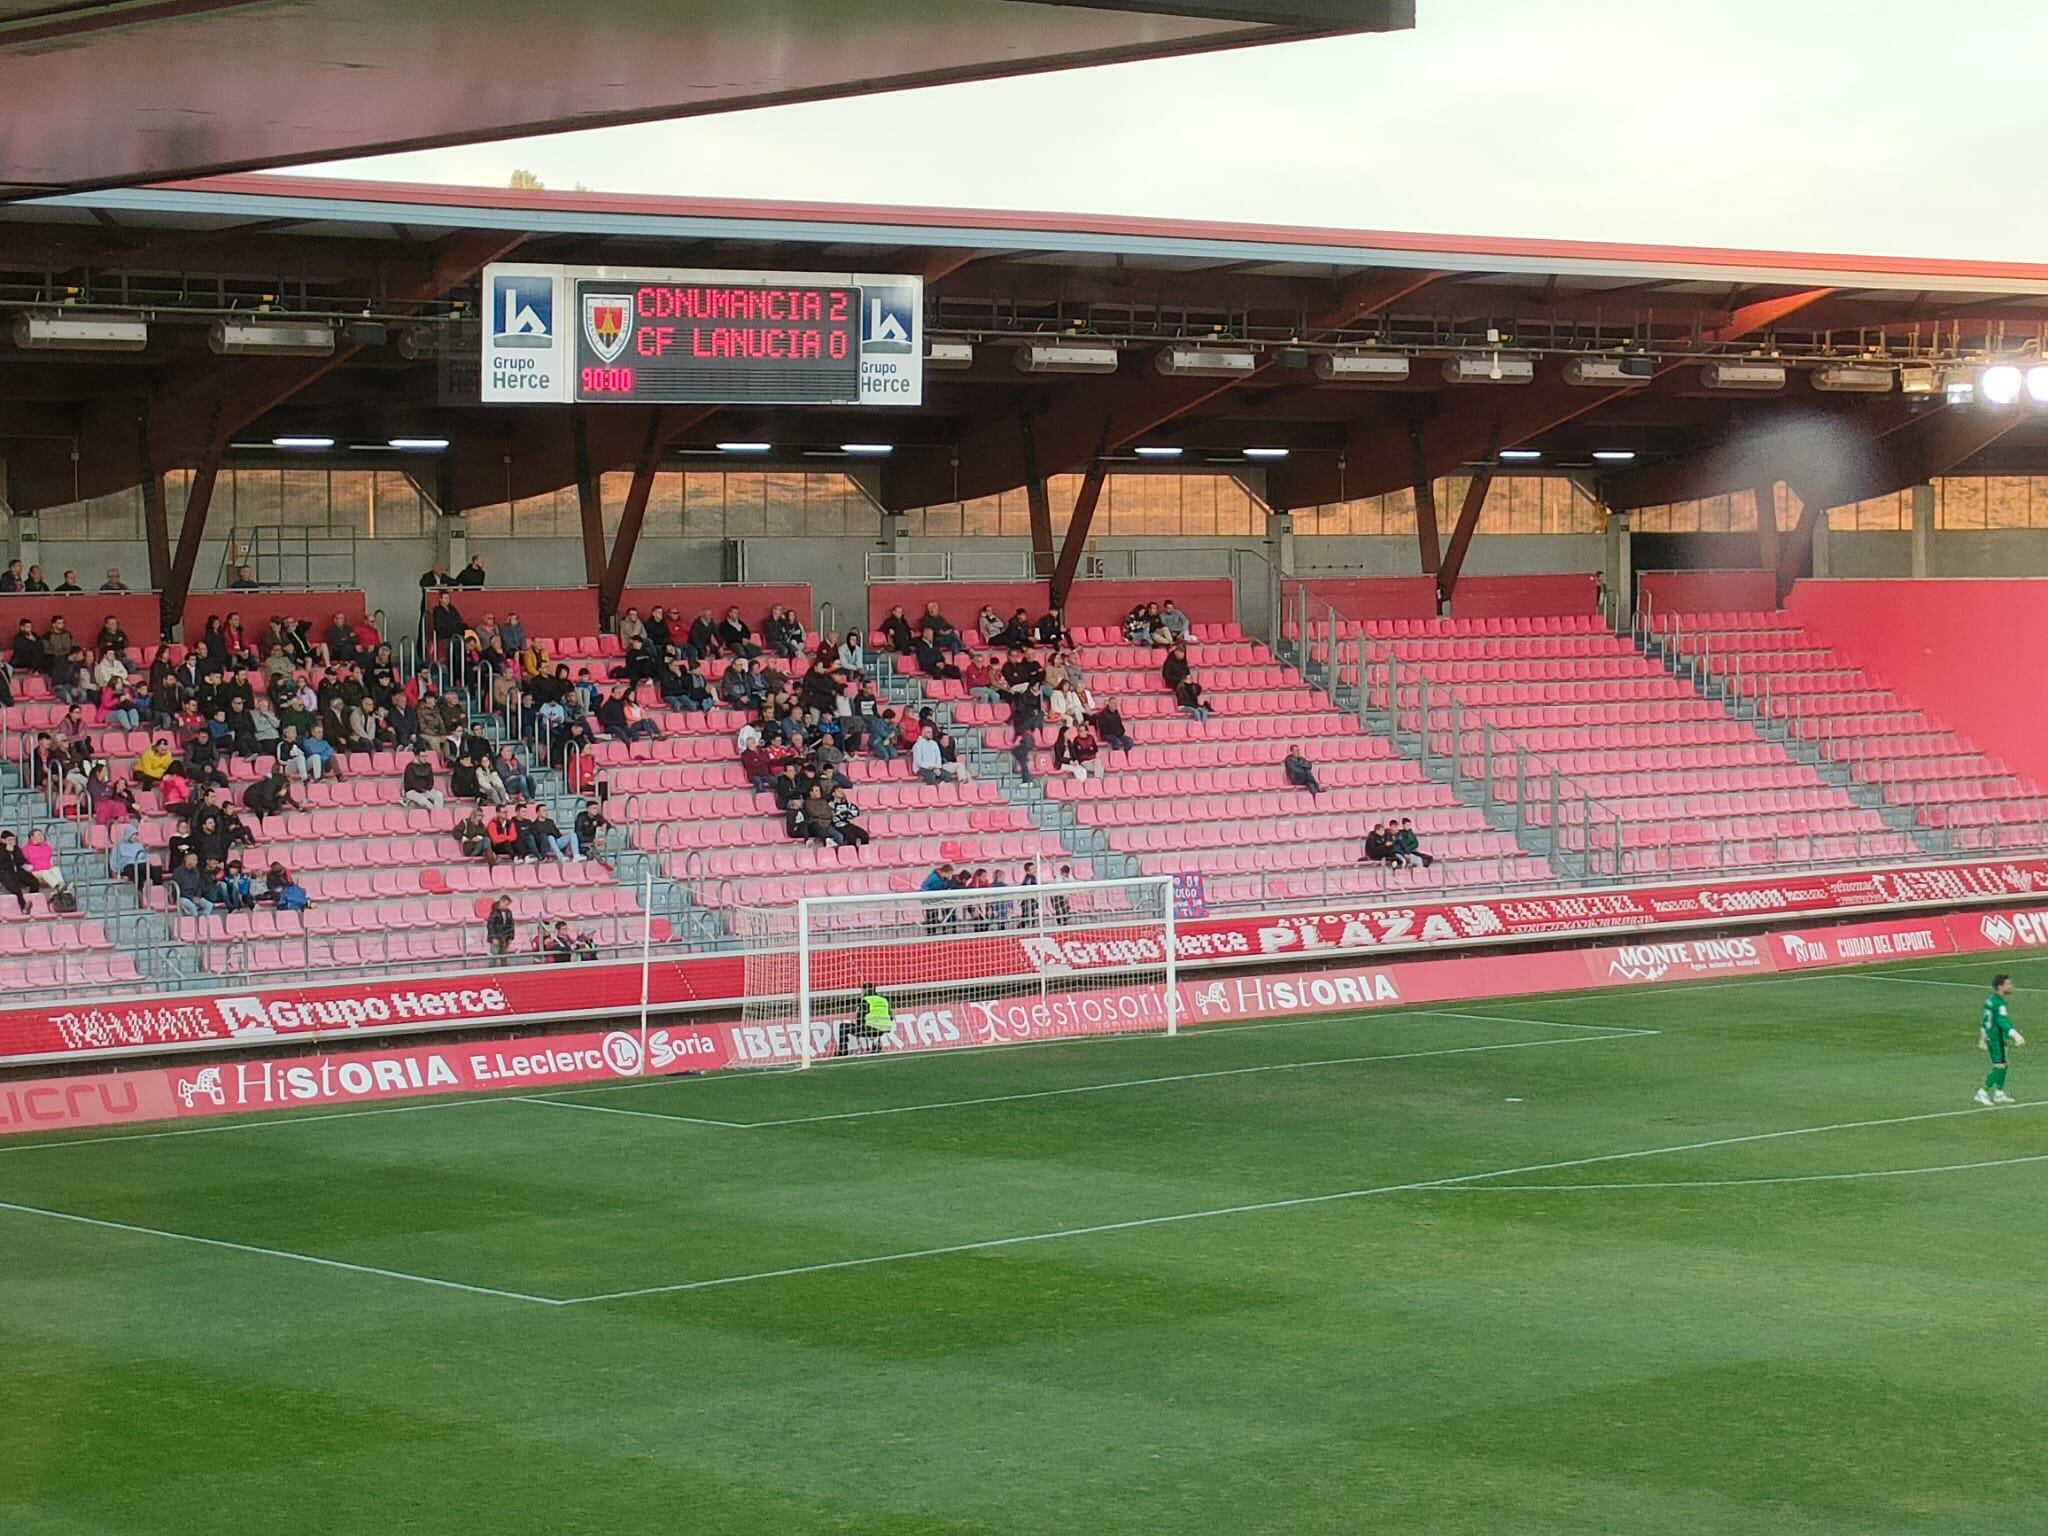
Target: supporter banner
[(150, 1025), (368, 1075), (1999, 928), (307, 1014), (356, 1077), (1868, 943)]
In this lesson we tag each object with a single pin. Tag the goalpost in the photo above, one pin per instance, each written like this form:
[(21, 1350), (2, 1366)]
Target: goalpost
[(985, 966)]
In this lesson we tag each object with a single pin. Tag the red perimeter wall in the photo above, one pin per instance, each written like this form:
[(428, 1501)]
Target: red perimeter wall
[(754, 602), (1965, 651), (260, 605), (1707, 591), (83, 613), (1091, 602), (1525, 597), (1376, 597)]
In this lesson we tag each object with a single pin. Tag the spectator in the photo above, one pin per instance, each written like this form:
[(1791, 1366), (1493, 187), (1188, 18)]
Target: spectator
[(935, 627), (884, 739), (550, 840), (1192, 701), (501, 830), (1017, 631), (15, 876), (113, 583), (631, 627), (444, 628), (932, 657), (194, 888), (683, 687), (472, 834), (702, 642), (1173, 621), (896, 632), (1072, 753), (237, 891), (846, 821), (513, 634), (736, 635), (512, 772), (589, 826), (69, 583), (1300, 771), (499, 929), (926, 760), (58, 641), (848, 653), (418, 783), (622, 717), (35, 582), (977, 676), (28, 654), (1062, 909), (741, 687), (1137, 627), (320, 755), (949, 756), (1109, 725), (1408, 847), (472, 573), (128, 855), (988, 624), (1378, 850), (244, 580), (1052, 627), (783, 633), (1175, 667), (269, 796)]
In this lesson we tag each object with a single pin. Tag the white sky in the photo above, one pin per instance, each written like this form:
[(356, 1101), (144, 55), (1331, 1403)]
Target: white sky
[(1892, 127)]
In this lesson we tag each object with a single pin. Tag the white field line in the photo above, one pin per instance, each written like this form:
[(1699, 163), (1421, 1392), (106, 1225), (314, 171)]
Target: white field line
[(1190, 1077), (634, 1114), (559, 1096), (1928, 981), (275, 1253), (1796, 1178), (249, 1124), (1293, 1203)]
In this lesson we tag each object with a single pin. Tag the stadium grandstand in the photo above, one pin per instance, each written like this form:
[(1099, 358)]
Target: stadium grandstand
[(675, 863), (1565, 557)]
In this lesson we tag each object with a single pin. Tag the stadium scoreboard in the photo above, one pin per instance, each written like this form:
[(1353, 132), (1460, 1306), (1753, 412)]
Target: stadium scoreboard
[(597, 335)]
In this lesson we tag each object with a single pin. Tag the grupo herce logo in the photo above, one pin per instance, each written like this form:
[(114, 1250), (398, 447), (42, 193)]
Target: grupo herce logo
[(887, 322), (1997, 930), (244, 1015), (523, 312)]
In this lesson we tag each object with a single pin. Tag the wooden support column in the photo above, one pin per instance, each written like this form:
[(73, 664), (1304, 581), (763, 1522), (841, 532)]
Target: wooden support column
[(177, 585), (1468, 519), (1796, 547), (1077, 532), (156, 517), (1766, 494), (631, 517), (1425, 511), (589, 501), (1040, 501)]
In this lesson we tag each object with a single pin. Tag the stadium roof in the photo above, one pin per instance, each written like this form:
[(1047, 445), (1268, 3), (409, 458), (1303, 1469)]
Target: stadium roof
[(97, 93), (407, 257)]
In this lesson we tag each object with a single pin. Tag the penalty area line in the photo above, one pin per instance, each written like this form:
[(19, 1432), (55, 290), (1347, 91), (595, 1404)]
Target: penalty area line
[(1788, 1178), (1153, 1082), (275, 1253), (1296, 1202)]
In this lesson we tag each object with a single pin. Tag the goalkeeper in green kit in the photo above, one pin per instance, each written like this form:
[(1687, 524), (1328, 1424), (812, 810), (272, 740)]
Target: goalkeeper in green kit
[(1994, 1025)]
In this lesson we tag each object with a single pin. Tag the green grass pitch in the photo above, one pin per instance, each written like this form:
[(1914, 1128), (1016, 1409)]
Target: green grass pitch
[(1738, 1258)]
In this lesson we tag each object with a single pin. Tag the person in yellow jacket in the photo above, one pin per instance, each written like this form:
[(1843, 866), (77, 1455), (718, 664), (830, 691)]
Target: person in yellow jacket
[(871, 1024), (153, 764)]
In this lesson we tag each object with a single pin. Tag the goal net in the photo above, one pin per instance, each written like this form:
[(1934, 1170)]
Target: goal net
[(987, 966)]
